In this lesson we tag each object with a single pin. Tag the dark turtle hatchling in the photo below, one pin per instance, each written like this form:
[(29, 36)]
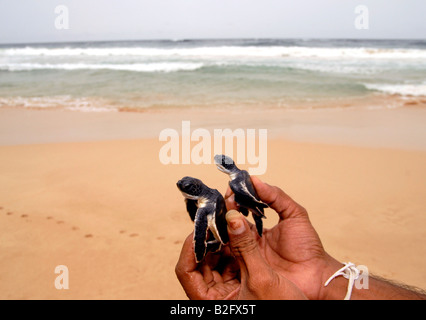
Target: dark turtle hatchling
[(207, 209), (245, 194)]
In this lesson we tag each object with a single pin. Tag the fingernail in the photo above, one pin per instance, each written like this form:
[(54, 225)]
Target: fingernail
[(235, 222)]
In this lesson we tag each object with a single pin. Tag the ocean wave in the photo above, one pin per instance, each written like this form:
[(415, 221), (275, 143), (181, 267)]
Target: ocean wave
[(416, 90), (225, 52), (83, 104), (168, 67), (336, 68), (136, 67)]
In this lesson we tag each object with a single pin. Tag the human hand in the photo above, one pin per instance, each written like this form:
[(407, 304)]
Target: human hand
[(291, 248), (257, 279), (215, 278), (288, 262), (243, 275)]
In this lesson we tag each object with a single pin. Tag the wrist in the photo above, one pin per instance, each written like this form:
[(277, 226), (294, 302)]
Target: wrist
[(376, 288), (337, 288)]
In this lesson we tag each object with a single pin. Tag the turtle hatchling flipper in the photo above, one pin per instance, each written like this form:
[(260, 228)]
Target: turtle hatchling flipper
[(259, 223), (214, 246), (245, 194), (191, 207), (244, 211), (200, 234)]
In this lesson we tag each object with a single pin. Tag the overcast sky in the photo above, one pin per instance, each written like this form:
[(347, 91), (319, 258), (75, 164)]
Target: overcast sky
[(24, 21)]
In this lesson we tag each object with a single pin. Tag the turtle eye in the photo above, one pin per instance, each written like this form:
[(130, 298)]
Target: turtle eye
[(194, 189)]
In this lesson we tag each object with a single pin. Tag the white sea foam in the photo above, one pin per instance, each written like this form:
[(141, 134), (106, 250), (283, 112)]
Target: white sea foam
[(339, 68), (137, 67), (82, 104), (341, 60), (226, 52), (399, 89)]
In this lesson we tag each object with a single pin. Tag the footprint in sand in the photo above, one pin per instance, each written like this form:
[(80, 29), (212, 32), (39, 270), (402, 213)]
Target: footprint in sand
[(73, 228), (132, 235), (392, 214)]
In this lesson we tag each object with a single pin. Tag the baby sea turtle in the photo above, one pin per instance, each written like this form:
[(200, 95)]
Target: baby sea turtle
[(207, 209), (245, 195)]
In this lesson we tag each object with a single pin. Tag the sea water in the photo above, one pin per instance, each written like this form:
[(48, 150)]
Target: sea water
[(140, 75)]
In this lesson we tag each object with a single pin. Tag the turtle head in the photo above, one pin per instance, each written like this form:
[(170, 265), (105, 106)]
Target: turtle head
[(191, 188), (225, 164)]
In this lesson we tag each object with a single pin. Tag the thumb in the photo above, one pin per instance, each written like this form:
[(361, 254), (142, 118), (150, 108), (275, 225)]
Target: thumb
[(243, 244)]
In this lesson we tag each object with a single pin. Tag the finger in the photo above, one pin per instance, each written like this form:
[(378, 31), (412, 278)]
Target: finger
[(228, 193), (231, 204), (243, 244), (278, 200), (186, 262), (187, 271)]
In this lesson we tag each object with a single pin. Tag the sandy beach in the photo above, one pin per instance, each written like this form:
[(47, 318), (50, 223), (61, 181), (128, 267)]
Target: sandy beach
[(87, 190)]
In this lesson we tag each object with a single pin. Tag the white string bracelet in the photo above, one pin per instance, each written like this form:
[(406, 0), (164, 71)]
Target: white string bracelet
[(348, 271)]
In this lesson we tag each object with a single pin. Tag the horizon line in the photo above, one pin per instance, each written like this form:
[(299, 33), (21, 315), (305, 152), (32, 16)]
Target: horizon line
[(209, 39)]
